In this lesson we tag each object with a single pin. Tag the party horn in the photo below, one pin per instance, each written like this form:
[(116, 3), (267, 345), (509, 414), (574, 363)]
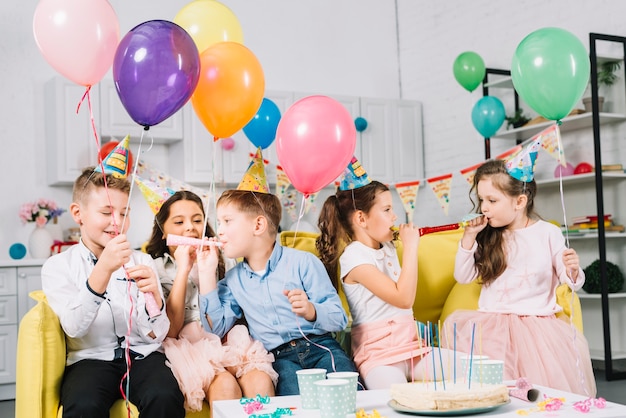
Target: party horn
[(449, 227), (180, 240)]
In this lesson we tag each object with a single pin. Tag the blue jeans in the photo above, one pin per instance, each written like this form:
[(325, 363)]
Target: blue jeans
[(301, 354)]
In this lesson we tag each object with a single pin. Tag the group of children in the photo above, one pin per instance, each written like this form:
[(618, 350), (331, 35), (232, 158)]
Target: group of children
[(227, 330)]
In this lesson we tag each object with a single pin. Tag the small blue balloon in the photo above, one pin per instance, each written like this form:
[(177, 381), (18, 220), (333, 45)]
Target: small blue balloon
[(360, 124), (261, 130), (17, 251), (488, 115)]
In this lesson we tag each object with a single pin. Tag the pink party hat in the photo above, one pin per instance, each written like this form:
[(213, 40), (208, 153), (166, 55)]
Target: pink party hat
[(354, 176), (154, 194), (116, 163), (255, 180), (522, 165)]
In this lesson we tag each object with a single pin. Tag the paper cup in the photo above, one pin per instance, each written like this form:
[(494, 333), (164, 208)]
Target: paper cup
[(465, 365), (308, 391), (353, 378), (488, 371), (334, 397)]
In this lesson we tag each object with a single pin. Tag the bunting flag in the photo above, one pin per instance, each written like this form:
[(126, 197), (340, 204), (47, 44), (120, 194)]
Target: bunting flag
[(282, 182), (159, 179), (408, 194), (550, 139), (309, 203), (154, 194), (469, 172), (289, 203), (509, 153), (441, 186)]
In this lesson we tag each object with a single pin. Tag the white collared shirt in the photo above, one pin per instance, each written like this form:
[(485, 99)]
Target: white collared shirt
[(94, 324)]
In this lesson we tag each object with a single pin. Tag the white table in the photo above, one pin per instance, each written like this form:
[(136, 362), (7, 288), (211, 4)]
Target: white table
[(377, 399)]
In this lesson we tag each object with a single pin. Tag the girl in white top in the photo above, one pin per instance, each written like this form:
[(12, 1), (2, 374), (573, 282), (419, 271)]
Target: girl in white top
[(386, 346), (520, 260), (203, 366)]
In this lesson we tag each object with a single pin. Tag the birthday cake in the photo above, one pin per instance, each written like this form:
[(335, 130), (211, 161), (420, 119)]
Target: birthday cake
[(425, 396)]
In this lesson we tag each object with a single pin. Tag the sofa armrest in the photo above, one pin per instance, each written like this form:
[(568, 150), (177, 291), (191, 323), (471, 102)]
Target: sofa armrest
[(40, 361)]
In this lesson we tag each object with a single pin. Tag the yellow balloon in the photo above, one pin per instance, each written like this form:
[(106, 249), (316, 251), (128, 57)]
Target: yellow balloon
[(230, 89), (209, 22)]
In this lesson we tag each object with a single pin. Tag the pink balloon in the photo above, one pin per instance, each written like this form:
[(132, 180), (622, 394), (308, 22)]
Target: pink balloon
[(563, 171), (227, 143), (315, 141), (78, 38)]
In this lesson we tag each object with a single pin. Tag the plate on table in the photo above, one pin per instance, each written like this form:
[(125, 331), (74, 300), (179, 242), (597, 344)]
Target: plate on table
[(452, 413)]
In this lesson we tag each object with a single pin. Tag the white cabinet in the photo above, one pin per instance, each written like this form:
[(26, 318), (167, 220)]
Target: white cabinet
[(15, 283), (70, 142), (117, 123)]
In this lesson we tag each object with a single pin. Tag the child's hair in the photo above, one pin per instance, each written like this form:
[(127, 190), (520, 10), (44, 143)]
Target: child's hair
[(335, 226), (157, 244), (490, 257), (90, 179), (256, 204)]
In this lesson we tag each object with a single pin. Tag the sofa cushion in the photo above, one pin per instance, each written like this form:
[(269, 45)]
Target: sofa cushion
[(40, 361)]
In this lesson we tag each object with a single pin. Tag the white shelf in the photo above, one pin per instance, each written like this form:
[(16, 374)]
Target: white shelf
[(597, 354), (585, 295), (582, 178), (503, 83), (570, 123), (607, 235)]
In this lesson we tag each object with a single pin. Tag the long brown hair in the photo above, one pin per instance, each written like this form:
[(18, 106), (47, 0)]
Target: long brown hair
[(490, 257), (334, 222), (157, 245)]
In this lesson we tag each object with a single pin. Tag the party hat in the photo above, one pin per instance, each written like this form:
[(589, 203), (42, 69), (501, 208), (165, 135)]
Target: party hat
[(116, 163), (254, 180), (354, 176), (154, 194), (522, 165)]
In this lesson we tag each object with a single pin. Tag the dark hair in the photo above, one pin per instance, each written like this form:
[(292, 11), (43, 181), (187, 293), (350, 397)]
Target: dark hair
[(89, 179), (490, 257), (257, 204), (157, 245), (334, 222)]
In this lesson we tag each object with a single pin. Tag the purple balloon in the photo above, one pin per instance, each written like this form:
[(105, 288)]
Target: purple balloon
[(156, 69)]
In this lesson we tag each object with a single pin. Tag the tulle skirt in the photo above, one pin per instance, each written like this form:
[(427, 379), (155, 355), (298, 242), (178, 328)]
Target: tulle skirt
[(546, 350), (196, 356)]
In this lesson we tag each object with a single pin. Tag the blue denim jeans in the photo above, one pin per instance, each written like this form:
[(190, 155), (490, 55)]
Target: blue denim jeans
[(301, 354)]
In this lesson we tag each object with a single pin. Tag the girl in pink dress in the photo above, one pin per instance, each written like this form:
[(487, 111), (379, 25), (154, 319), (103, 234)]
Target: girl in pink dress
[(385, 344), (519, 260), (203, 366)]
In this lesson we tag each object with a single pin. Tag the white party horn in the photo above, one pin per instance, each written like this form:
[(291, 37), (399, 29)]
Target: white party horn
[(180, 240)]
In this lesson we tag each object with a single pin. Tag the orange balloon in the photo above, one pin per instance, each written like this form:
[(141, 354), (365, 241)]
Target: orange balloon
[(230, 90)]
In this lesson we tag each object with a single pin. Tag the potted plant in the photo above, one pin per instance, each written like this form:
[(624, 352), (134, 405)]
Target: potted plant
[(606, 77), (517, 120)]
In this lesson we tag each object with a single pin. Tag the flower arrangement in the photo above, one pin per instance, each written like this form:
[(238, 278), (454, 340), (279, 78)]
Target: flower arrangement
[(40, 212)]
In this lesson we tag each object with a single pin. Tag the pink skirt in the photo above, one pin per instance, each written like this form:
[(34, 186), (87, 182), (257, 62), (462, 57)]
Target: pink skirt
[(196, 356), (546, 350)]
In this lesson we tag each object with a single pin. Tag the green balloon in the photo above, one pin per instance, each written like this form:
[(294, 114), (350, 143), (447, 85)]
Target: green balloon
[(469, 70), (550, 71)]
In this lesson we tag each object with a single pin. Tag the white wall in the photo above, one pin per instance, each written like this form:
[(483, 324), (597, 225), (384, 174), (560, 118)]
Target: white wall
[(344, 47)]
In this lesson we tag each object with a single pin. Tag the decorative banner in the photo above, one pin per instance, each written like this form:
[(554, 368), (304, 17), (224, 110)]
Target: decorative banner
[(408, 194), (164, 180), (289, 203), (154, 194), (469, 173), (282, 182), (309, 203), (441, 186), (509, 153), (551, 142)]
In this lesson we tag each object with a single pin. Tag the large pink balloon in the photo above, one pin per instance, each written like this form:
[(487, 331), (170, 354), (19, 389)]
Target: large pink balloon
[(78, 38), (315, 141)]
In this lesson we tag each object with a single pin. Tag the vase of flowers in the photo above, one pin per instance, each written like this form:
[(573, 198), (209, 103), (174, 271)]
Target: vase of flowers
[(40, 213)]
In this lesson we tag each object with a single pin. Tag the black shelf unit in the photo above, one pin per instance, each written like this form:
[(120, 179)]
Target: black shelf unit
[(610, 372)]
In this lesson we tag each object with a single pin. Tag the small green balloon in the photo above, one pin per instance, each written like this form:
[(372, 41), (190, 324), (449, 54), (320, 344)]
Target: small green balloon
[(550, 71), (469, 70)]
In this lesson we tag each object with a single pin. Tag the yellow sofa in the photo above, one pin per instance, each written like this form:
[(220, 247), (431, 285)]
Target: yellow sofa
[(41, 343)]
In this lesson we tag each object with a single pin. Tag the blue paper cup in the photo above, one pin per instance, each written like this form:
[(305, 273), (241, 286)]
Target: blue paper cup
[(308, 391)]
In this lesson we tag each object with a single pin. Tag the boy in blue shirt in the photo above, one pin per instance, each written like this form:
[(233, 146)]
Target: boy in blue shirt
[(285, 294)]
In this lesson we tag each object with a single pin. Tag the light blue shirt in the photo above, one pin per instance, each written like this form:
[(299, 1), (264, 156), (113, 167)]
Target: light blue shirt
[(267, 309)]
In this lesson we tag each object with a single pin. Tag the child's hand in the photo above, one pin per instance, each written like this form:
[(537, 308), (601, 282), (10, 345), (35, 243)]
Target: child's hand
[(409, 235), (116, 253), (300, 304), (208, 258), (572, 264), (146, 281), (185, 256), (473, 227)]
